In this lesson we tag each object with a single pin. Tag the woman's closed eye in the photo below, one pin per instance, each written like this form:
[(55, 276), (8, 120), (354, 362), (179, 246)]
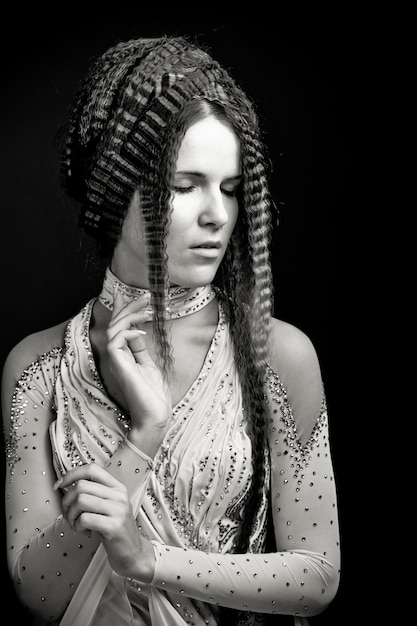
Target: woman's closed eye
[(184, 189), (230, 192)]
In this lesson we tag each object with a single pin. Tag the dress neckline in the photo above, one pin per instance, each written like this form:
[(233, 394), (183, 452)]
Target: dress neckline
[(180, 301), (99, 384)]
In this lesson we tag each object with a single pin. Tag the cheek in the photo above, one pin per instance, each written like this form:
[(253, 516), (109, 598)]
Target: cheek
[(182, 219), (176, 237), (233, 217)]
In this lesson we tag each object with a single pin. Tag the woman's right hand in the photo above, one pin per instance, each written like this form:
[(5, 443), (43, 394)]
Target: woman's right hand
[(140, 378)]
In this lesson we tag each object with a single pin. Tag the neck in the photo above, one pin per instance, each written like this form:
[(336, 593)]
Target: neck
[(180, 301)]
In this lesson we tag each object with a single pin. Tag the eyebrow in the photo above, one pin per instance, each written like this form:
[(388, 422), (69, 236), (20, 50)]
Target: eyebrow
[(238, 177)]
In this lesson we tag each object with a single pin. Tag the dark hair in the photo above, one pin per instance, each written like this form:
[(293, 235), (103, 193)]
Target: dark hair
[(123, 134)]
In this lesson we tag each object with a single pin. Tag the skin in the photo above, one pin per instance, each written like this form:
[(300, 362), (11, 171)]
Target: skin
[(205, 209), (204, 214), (97, 500)]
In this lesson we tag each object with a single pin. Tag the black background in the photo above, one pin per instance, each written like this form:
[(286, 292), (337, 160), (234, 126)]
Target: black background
[(312, 88)]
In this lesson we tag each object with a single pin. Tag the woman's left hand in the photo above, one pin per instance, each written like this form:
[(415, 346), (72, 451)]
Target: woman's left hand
[(96, 501)]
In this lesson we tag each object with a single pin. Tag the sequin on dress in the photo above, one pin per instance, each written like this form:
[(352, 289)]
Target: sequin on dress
[(187, 499)]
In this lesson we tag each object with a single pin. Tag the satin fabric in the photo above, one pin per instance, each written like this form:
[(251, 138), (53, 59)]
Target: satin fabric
[(193, 495)]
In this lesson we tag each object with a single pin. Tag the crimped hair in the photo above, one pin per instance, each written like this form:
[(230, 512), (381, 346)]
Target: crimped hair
[(123, 133)]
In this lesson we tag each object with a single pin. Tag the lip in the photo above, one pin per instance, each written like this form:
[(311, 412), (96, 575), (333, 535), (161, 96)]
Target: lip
[(207, 245), (206, 252)]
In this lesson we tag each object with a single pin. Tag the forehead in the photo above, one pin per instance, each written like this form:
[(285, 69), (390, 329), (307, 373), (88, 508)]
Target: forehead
[(209, 140)]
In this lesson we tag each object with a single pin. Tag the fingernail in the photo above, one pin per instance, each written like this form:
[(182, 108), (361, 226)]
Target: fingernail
[(58, 483)]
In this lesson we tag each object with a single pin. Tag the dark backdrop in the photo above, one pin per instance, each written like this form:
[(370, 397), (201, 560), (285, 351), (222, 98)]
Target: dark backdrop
[(309, 86)]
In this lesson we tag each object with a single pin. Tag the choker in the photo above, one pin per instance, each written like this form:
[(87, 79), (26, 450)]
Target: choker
[(181, 301)]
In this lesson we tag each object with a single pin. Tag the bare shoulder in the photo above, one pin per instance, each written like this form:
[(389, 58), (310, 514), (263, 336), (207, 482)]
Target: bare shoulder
[(294, 358), (26, 352), (290, 350), (31, 347), (34, 345)]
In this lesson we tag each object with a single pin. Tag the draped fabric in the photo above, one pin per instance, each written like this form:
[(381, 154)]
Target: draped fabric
[(194, 494)]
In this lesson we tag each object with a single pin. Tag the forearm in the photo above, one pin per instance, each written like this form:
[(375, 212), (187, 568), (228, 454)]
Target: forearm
[(293, 583), (131, 466), (49, 566), (48, 569)]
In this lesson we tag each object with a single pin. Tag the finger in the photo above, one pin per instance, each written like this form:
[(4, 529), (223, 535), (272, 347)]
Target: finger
[(118, 301), (139, 348), (86, 487), (87, 522), (86, 503), (88, 471), (133, 340), (123, 339), (121, 309), (125, 322)]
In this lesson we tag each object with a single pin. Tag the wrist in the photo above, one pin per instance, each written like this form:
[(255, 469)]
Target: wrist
[(145, 567), (147, 437)]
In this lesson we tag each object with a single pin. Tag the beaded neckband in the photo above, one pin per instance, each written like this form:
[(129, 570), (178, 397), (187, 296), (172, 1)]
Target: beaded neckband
[(182, 301)]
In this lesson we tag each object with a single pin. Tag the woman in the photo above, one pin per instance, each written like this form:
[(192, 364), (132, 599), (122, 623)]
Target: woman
[(168, 453)]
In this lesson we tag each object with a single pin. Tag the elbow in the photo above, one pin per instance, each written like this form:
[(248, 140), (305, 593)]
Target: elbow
[(39, 601), (324, 596), (38, 608)]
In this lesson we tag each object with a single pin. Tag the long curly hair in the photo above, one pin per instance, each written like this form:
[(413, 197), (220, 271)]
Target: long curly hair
[(123, 133)]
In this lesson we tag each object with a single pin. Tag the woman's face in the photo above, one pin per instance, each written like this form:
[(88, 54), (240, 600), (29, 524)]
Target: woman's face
[(205, 210)]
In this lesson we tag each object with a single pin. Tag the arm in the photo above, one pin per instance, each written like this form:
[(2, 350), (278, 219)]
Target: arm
[(46, 558), (37, 534), (302, 576), (104, 499)]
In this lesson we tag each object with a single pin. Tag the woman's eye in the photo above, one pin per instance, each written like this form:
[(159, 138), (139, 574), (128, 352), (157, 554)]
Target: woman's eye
[(184, 189), (230, 192)]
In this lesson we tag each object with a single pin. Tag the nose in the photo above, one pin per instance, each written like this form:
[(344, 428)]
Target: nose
[(213, 210)]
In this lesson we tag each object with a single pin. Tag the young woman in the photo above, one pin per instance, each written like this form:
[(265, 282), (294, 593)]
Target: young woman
[(167, 447)]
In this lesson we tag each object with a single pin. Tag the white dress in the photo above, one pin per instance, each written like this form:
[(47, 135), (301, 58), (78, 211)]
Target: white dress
[(187, 499)]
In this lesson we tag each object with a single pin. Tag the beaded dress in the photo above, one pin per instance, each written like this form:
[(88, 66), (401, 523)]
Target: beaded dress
[(187, 500)]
